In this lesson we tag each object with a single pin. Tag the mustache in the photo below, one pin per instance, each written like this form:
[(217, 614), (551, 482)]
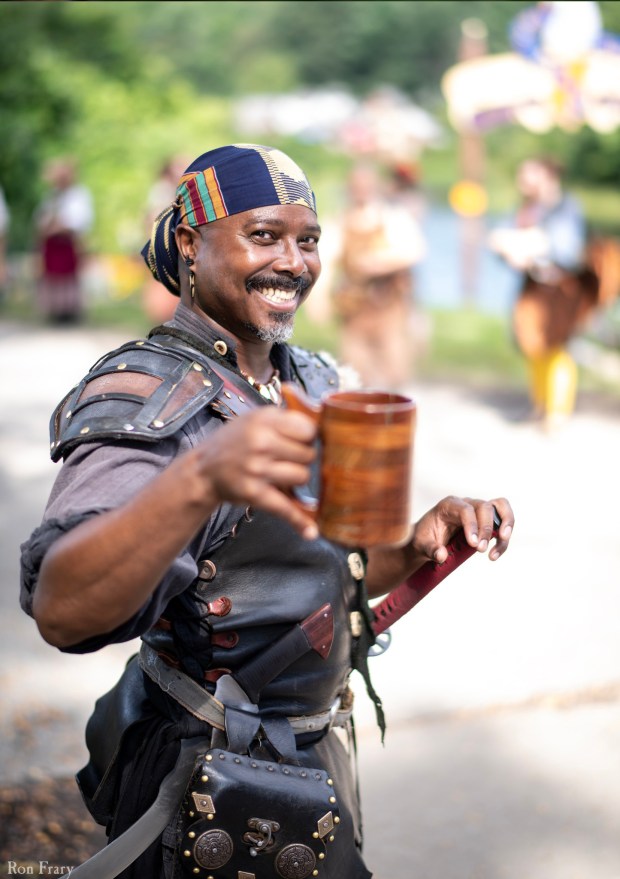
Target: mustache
[(278, 282)]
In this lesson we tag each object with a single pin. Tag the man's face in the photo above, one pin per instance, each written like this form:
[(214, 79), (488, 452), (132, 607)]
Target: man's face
[(254, 269)]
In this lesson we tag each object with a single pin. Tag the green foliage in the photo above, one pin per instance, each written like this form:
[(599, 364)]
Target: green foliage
[(33, 105), (223, 48), (123, 314), (125, 85), (468, 345), (282, 45), (594, 157)]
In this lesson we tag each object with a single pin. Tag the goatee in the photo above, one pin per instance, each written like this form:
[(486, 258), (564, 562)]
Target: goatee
[(280, 330)]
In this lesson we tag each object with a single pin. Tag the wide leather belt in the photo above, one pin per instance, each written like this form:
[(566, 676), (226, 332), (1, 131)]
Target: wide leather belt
[(199, 702)]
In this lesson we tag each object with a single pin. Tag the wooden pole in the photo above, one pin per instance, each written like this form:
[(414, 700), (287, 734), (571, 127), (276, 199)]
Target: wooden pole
[(472, 160)]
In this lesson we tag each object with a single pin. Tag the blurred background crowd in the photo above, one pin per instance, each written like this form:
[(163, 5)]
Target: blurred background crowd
[(411, 119)]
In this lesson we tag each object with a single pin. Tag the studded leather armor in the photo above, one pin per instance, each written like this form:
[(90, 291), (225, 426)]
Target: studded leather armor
[(262, 580), (148, 389)]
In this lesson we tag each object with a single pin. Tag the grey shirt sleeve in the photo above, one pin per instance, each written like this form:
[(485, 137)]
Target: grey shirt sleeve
[(99, 477)]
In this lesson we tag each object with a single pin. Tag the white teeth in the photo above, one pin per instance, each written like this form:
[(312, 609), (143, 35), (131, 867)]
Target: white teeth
[(278, 295)]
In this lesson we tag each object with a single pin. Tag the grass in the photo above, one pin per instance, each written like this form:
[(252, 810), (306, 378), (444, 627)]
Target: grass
[(119, 314), (464, 345), (470, 345)]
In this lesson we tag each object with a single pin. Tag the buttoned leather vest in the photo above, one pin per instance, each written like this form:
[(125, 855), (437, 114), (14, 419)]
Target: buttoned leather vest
[(259, 583)]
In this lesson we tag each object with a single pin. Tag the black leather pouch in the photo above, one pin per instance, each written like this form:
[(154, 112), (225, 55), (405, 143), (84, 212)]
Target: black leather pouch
[(243, 816)]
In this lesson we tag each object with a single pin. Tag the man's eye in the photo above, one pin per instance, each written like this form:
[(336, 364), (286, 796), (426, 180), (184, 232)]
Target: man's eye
[(263, 234)]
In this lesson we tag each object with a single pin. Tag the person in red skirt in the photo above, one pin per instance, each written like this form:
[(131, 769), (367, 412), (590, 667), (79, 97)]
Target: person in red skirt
[(62, 220)]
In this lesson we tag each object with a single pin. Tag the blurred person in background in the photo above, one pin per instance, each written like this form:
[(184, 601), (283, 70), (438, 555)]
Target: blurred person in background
[(62, 221), (546, 244), (372, 297), (5, 219), (405, 190)]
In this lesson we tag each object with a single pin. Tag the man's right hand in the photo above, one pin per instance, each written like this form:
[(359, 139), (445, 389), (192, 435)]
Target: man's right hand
[(256, 460)]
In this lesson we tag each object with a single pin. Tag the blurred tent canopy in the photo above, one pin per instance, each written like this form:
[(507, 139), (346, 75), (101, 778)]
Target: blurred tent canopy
[(385, 124), (564, 72)]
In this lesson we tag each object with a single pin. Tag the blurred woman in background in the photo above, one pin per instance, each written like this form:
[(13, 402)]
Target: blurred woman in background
[(62, 220)]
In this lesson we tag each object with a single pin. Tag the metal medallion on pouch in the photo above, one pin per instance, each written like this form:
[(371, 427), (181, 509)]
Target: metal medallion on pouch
[(213, 849), (295, 861)]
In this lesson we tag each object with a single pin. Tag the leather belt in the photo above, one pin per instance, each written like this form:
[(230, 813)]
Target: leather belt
[(199, 702)]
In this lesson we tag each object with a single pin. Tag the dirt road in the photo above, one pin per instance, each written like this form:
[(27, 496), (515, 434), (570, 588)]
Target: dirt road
[(501, 689)]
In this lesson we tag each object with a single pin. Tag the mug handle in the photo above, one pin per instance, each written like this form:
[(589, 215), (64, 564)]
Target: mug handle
[(297, 401)]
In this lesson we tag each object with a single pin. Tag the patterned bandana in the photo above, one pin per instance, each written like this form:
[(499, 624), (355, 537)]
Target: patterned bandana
[(221, 182)]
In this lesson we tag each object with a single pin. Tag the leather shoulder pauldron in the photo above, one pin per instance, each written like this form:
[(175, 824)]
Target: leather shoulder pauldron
[(144, 390)]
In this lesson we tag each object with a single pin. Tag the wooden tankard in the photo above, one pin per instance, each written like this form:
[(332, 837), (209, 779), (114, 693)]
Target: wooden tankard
[(366, 465)]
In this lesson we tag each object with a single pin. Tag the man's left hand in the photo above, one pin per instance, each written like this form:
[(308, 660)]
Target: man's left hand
[(389, 566)]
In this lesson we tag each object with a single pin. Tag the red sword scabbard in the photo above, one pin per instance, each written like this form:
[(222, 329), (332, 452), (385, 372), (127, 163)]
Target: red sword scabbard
[(402, 598)]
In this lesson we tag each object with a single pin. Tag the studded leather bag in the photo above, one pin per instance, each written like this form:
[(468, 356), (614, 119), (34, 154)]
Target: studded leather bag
[(249, 818)]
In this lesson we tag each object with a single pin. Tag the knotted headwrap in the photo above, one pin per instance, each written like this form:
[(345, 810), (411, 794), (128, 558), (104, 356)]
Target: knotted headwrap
[(221, 182)]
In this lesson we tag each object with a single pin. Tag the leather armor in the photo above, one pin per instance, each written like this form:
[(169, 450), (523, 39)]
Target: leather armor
[(142, 391), (242, 599), (262, 580), (148, 389)]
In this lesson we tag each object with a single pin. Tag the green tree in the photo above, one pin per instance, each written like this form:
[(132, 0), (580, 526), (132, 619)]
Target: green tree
[(40, 103)]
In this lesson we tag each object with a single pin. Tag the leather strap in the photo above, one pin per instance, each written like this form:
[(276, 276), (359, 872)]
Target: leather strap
[(235, 396), (123, 851), (201, 704)]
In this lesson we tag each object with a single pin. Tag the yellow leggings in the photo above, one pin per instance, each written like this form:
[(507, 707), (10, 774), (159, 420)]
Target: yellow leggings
[(553, 378)]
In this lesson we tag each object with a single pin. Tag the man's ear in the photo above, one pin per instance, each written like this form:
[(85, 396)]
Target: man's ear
[(187, 239)]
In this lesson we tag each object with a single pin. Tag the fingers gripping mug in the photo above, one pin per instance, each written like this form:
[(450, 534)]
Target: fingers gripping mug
[(366, 464)]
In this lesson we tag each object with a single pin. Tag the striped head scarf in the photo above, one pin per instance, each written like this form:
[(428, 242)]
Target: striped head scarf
[(224, 181)]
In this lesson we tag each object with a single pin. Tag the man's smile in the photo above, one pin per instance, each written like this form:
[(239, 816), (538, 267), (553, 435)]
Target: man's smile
[(277, 296), (283, 293)]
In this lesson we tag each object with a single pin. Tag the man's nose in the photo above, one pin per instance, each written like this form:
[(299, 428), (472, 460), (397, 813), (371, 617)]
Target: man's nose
[(290, 259)]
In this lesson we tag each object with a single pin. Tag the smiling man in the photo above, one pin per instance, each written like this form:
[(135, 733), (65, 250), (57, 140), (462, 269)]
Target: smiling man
[(173, 520)]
